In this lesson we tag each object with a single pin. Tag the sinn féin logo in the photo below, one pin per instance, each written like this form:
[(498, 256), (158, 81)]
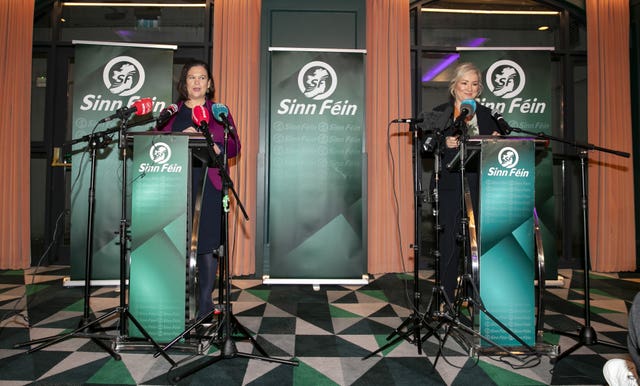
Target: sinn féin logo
[(123, 75), (317, 80), (505, 79), (160, 153), (508, 157)]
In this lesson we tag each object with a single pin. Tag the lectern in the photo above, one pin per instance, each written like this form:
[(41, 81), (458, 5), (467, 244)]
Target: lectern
[(162, 270), (504, 270)]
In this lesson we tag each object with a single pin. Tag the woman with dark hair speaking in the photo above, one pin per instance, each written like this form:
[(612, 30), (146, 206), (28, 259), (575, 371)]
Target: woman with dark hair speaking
[(196, 88)]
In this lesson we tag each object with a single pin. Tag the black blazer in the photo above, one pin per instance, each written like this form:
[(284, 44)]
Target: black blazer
[(486, 125)]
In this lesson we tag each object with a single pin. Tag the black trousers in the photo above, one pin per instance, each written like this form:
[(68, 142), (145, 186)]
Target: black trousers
[(209, 237), (450, 242)]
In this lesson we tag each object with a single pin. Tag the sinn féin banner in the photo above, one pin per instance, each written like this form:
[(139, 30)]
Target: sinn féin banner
[(108, 77), (517, 84), (316, 170)]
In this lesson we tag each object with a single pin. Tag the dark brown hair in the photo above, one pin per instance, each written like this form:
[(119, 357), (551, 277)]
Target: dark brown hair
[(182, 83)]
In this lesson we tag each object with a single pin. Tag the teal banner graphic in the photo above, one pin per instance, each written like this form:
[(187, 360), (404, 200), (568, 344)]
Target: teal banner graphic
[(316, 169), (157, 280), (517, 84), (107, 78), (507, 263)]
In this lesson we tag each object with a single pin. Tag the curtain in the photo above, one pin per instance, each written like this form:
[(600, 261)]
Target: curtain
[(610, 192), (16, 31), (236, 71), (390, 183), (390, 186)]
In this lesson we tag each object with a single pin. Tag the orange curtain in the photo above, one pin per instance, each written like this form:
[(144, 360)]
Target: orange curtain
[(388, 96), (16, 31), (390, 186), (236, 70), (611, 202)]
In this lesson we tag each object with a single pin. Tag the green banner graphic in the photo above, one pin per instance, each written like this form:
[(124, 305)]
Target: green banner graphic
[(316, 168), (157, 281), (507, 182), (518, 85), (107, 78)]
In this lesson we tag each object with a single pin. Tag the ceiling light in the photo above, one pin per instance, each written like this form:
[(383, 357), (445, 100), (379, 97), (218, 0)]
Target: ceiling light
[(161, 5), (488, 11)]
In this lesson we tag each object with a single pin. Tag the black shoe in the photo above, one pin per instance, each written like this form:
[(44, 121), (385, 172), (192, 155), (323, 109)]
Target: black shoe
[(203, 330), (207, 320)]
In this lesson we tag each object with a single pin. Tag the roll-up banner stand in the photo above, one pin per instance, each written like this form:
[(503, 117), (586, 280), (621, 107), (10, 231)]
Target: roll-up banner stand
[(517, 83), (108, 76), (316, 168)]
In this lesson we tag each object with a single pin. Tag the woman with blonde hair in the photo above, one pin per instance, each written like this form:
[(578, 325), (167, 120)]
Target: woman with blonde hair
[(464, 88)]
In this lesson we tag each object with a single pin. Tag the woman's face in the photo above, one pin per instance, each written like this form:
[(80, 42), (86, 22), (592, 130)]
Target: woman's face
[(467, 87), (197, 82)]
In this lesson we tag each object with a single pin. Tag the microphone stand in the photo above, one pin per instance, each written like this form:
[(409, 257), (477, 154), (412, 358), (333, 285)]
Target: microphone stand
[(415, 320), (95, 141), (439, 298), (586, 335), (228, 349), (438, 295)]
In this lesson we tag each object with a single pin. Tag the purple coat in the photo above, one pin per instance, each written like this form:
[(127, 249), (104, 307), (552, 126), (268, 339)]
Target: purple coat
[(217, 134)]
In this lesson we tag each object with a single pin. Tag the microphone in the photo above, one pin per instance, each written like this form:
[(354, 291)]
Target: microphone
[(467, 108), (166, 113), (220, 113), (503, 126), (408, 120), (140, 107), (200, 117)]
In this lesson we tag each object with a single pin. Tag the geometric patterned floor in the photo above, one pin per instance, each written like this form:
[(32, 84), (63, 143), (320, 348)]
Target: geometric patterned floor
[(327, 332)]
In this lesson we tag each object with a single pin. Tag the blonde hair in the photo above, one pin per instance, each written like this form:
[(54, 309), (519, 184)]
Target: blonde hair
[(459, 71)]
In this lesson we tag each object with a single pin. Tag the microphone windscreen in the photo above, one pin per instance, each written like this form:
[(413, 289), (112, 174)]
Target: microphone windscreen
[(172, 109), (143, 106), (219, 110), (199, 115), (165, 114), (470, 105)]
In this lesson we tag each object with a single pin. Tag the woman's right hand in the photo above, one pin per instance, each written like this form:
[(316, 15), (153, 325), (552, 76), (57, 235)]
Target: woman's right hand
[(452, 142)]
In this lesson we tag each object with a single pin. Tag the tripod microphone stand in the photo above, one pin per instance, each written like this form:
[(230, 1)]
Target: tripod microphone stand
[(438, 295), (433, 145), (225, 330), (415, 322), (95, 141), (586, 335)]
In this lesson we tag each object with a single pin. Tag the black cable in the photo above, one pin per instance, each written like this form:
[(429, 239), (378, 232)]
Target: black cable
[(397, 207), (14, 310)]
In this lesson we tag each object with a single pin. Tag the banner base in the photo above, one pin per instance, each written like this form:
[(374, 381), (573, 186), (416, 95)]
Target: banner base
[(193, 347), (316, 283), (558, 283), (550, 350), (67, 282)]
